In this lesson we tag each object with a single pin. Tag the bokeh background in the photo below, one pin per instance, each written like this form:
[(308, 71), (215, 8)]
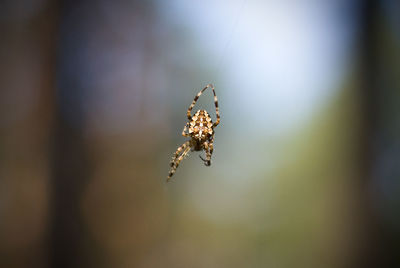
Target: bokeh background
[(306, 167)]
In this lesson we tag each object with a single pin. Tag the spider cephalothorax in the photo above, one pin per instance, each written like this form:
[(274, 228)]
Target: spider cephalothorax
[(200, 129)]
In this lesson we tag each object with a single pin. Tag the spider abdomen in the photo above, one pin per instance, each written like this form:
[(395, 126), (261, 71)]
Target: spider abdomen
[(201, 126)]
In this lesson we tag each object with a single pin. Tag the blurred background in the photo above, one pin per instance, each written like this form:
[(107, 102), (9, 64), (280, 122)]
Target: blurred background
[(93, 100)]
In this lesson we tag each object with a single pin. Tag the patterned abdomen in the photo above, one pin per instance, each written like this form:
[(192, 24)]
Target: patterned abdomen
[(201, 126)]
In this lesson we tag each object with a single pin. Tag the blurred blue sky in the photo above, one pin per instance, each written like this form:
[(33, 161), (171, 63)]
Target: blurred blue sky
[(277, 62), (283, 61)]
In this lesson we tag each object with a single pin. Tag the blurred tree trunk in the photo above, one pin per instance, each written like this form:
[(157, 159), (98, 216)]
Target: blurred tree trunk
[(71, 166), (27, 68), (380, 248)]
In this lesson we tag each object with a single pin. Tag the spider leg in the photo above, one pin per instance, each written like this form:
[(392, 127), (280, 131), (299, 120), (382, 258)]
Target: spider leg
[(185, 129), (216, 107), (211, 145), (189, 115), (178, 151), (208, 148), (176, 159)]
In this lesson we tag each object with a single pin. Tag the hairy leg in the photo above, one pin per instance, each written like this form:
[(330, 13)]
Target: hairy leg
[(216, 108), (178, 151), (208, 148), (189, 111), (185, 148), (185, 129)]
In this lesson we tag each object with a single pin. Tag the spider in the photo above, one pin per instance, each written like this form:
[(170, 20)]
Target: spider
[(200, 129)]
